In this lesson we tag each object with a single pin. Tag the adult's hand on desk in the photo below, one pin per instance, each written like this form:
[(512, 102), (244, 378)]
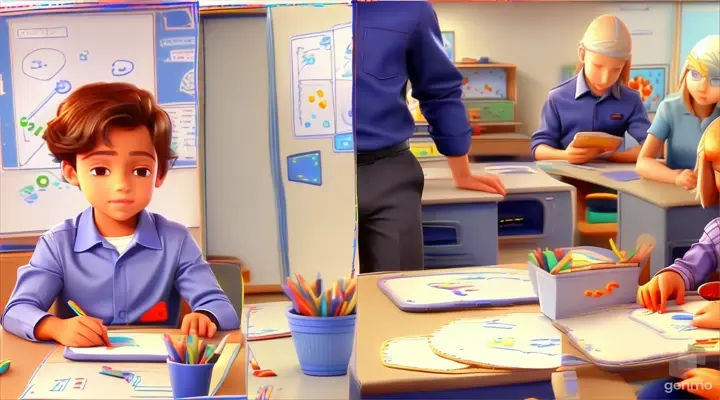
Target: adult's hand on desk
[(464, 179), (74, 332), (687, 179), (708, 317), (662, 287)]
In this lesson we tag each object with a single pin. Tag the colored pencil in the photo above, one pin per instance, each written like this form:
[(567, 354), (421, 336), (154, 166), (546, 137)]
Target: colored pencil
[(76, 309)]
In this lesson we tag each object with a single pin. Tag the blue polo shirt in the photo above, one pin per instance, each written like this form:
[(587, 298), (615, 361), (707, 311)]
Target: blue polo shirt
[(680, 130), (396, 42), (571, 108)]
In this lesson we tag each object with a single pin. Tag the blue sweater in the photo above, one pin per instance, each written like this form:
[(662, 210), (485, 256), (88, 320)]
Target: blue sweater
[(395, 42)]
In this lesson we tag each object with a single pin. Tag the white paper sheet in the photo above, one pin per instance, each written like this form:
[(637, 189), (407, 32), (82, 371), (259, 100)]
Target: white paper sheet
[(150, 344), (266, 320), (415, 353)]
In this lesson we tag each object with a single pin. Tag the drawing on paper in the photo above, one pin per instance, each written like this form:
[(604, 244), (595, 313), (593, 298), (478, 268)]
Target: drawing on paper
[(675, 323), (512, 341), (466, 285), (650, 81), (122, 341), (322, 84), (484, 83), (46, 181), (484, 287), (50, 57), (267, 320)]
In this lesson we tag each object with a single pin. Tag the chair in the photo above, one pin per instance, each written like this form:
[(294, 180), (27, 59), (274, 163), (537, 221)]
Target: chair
[(231, 276)]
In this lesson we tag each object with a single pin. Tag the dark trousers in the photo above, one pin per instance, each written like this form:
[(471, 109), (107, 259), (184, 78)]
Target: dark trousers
[(389, 188)]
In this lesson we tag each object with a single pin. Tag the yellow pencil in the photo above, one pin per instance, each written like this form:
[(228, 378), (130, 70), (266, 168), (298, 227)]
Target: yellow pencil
[(343, 306), (351, 305)]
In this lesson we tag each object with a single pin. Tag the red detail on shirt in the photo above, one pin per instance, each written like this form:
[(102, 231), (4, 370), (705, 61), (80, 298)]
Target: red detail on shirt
[(158, 313)]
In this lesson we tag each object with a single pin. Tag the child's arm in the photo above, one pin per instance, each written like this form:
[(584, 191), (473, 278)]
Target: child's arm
[(198, 286), (701, 259), (38, 285), (648, 166)]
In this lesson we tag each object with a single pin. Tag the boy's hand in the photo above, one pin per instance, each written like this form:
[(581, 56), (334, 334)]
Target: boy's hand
[(703, 382), (708, 317), (662, 287), (199, 323), (576, 155), (76, 332)]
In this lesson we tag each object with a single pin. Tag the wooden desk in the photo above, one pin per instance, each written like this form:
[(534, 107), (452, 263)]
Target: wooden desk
[(27, 356), (669, 213), (382, 321)]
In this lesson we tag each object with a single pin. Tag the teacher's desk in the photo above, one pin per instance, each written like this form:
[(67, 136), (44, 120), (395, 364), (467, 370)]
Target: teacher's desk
[(27, 356), (667, 212), (464, 228), (382, 321)]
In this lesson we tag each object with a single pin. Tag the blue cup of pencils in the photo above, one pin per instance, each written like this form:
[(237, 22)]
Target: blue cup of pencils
[(322, 323), (190, 364)]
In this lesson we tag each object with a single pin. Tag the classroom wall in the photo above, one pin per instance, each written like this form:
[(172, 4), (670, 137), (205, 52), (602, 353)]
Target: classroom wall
[(241, 209), (320, 219), (540, 38), (697, 21)]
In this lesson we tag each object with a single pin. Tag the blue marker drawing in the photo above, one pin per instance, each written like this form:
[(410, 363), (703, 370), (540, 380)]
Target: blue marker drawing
[(122, 341), (541, 343), (43, 64), (307, 57), (682, 317), (60, 385), (494, 324), (326, 42), (347, 62), (61, 87), (84, 55), (122, 67)]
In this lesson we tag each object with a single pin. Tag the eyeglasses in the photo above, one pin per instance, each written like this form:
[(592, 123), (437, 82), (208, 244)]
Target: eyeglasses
[(696, 76)]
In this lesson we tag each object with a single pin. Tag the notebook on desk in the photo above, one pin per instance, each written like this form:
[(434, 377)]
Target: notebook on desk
[(126, 347)]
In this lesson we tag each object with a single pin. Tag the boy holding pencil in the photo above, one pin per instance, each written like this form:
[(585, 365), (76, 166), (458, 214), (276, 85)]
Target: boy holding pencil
[(118, 263)]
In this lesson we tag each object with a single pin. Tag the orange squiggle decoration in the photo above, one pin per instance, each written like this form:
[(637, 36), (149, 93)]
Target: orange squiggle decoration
[(602, 292)]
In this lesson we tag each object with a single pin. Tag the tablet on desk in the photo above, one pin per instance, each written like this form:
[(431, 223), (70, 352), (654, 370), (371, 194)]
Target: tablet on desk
[(126, 347), (597, 140)]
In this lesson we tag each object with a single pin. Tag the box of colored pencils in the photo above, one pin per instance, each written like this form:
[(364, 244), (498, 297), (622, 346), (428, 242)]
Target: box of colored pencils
[(316, 298), (572, 281)]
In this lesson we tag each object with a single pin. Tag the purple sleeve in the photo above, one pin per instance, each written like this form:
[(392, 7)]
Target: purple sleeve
[(37, 286), (701, 259), (639, 123), (549, 131)]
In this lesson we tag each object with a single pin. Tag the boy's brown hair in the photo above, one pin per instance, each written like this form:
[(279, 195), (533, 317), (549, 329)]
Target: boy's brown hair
[(91, 110)]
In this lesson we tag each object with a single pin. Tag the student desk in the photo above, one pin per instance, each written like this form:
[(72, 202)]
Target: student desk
[(290, 383), (27, 356), (379, 320), (667, 212), (464, 227)]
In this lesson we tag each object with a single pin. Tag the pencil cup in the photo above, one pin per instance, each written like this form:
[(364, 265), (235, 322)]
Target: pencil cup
[(190, 380), (323, 344)]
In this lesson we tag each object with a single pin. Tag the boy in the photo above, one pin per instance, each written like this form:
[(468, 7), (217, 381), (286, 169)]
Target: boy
[(119, 263)]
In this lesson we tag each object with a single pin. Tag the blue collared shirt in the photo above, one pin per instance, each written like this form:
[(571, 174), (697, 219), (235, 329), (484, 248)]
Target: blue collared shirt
[(72, 261), (681, 130), (571, 108), (396, 42)]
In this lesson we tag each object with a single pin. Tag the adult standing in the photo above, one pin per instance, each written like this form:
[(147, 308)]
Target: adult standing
[(397, 42)]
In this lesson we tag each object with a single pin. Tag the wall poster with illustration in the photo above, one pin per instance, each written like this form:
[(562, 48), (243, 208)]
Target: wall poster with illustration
[(651, 83), (448, 39)]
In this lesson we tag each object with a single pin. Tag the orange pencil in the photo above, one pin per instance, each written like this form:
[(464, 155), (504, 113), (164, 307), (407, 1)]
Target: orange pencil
[(300, 299)]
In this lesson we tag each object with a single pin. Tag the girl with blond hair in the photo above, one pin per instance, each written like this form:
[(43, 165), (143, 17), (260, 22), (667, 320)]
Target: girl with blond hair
[(689, 272), (596, 99), (680, 120)]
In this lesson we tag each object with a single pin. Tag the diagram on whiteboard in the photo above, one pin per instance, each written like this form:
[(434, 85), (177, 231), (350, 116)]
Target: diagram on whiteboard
[(322, 83), (51, 55), (43, 182)]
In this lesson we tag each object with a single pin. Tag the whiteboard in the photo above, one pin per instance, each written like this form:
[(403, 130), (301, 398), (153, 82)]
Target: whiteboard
[(651, 27), (43, 57)]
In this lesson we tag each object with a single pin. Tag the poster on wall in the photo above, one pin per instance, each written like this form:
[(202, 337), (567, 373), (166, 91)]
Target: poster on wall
[(650, 81)]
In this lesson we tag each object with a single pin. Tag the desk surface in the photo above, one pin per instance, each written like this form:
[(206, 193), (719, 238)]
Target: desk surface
[(27, 356), (439, 187), (376, 379), (661, 194), (290, 383)]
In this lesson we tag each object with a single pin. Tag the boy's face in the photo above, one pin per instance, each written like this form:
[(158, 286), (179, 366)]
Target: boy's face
[(601, 71), (704, 89), (118, 180)]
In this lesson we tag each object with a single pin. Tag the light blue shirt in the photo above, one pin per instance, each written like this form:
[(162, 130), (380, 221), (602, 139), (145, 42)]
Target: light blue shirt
[(72, 261), (681, 130)]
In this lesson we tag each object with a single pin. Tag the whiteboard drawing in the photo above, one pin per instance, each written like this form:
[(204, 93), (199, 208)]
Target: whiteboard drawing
[(482, 287), (321, 79), (51, 55), (43, 182), (511, 341)]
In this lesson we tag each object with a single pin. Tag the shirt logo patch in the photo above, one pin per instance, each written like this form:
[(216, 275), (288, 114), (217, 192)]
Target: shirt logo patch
[(158, 313), (616, 117)]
